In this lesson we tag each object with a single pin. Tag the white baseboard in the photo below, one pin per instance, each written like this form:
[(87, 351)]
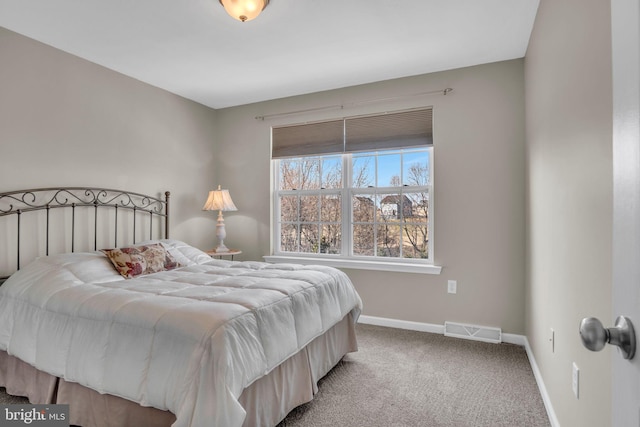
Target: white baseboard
[(401, 324), (520, 340), (427, 327), (553, 419)]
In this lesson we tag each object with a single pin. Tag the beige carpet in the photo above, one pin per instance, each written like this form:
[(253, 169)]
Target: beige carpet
[(7, 399), (403, 378)]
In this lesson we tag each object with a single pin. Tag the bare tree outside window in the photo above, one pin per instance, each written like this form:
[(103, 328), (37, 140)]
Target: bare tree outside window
[(310, 219), (416, 230), (399, 226), (387, 219)]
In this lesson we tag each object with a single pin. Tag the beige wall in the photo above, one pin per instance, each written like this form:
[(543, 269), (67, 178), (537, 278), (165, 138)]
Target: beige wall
[(569, 200), (479, 198), (67, 122)]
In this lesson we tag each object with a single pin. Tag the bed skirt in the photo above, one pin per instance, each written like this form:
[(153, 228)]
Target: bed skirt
[(267, 401)]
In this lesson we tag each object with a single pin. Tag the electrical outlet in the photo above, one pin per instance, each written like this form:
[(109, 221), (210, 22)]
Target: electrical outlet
[(452, 286), (576, 380), (552, 339)]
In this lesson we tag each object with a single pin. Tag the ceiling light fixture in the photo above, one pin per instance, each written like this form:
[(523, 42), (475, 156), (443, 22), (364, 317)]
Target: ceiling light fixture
[(244, 10)]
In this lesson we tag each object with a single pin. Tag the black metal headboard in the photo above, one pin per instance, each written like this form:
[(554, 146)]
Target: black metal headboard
[(141, 208)]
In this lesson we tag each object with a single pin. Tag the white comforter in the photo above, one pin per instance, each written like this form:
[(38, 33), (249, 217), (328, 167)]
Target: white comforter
[(188, 340)]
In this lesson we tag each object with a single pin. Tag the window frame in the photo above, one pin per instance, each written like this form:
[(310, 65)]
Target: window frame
[(346, 258)]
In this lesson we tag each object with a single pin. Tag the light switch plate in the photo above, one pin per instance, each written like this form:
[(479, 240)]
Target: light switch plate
[(452, 286)]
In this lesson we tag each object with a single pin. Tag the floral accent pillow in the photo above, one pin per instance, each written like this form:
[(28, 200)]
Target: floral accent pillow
[(138, 260)]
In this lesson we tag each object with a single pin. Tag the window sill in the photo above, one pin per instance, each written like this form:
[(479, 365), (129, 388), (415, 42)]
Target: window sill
[(400, 267)]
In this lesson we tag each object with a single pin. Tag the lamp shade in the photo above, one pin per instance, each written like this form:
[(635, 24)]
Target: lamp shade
[(244, 10), (219, 200)]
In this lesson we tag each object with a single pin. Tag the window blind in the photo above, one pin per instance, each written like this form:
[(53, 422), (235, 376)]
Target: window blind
[(366, 133), (307, 139), (394, 130)]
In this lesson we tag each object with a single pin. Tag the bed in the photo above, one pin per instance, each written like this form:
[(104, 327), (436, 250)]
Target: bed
[(169, 337)]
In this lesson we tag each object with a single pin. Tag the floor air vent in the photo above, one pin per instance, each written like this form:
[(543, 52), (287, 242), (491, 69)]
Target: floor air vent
[(473, 332)]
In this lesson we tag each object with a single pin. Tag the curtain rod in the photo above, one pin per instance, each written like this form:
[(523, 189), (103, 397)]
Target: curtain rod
[(352, 104)]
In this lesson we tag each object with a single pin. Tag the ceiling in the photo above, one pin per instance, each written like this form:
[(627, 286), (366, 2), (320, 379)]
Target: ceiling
[(194, 49)]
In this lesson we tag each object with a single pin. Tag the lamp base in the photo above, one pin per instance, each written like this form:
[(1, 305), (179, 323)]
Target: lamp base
[(221, 234), (221, 248)]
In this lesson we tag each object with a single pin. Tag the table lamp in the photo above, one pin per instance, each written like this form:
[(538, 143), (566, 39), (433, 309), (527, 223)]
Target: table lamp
[(220, 200)]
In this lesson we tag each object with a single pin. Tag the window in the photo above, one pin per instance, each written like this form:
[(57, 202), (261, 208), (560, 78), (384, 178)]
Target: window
[(358, 189)]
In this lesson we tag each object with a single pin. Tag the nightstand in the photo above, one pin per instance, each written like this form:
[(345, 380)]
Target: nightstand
[(231, 252)]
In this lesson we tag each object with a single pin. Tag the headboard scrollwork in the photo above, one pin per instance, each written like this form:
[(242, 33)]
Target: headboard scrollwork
[(143, 211)]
